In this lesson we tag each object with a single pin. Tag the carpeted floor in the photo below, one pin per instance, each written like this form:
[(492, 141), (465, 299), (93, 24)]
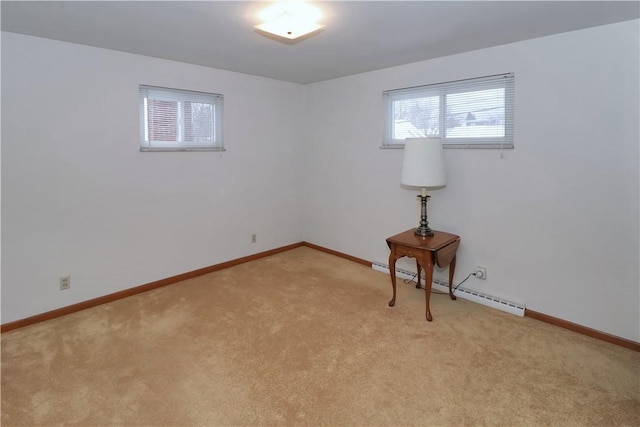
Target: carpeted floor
[(306, 338)]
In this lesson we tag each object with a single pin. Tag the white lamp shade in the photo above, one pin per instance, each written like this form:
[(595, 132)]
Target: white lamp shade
[(423, 164)]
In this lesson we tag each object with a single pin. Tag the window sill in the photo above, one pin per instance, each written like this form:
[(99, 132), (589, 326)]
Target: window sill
[(149, 149), (492, 146)]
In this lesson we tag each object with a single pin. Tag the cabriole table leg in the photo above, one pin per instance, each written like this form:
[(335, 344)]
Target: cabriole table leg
[(452, 269), (428, 278), (392, 272)]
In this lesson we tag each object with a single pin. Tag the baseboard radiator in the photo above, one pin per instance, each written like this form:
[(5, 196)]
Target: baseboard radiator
[(461, 292)]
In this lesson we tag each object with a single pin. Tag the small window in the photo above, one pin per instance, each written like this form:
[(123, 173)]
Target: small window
[(474, 113), (179, 120)]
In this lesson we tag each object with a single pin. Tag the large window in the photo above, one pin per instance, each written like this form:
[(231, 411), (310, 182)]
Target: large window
[(179, 120), (474, 113)]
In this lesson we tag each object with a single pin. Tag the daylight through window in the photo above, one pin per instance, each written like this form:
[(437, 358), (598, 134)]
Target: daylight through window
[(179, 120), (474, 113)]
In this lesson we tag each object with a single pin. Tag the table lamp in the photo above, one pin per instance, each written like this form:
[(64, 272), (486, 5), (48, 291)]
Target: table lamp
[(423, 166)]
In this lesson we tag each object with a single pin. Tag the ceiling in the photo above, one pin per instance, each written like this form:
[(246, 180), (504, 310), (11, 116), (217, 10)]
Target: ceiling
[(359, 36)]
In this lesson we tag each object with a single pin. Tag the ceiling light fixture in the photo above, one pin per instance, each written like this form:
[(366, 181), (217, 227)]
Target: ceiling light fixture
[(290, 22)]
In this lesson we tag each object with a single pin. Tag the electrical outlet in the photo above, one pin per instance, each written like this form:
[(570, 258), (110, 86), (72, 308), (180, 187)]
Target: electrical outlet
[(481, 273), (65, 282), (253, 238)]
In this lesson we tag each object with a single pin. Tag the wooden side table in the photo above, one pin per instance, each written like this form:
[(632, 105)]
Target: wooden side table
[(439, 249)]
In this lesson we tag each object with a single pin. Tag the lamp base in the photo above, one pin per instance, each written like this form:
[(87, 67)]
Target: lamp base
[(423, 229), (423, 232)]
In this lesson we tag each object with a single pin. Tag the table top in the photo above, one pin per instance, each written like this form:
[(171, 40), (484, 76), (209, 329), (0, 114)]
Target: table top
[(439, 240)]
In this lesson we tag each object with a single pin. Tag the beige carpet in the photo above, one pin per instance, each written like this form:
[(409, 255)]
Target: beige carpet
[(306, 338)]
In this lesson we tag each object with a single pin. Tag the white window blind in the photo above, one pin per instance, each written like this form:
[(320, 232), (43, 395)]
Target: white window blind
[(473, 113), (179, 120)]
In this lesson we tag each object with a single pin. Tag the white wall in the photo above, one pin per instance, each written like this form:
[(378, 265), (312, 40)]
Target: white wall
[(556, 221), (79, 198)]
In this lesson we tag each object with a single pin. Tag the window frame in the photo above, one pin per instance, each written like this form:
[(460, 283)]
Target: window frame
[(180, 96), (442, 90)]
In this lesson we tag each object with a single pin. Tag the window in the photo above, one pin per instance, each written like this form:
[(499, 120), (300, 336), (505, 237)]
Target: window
[(179, 120), (474, 113)]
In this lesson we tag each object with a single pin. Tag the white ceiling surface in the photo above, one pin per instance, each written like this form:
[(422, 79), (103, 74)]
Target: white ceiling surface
[(359, 36)]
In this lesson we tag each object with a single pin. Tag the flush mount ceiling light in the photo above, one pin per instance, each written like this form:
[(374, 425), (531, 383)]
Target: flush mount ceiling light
[(289, 22)]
